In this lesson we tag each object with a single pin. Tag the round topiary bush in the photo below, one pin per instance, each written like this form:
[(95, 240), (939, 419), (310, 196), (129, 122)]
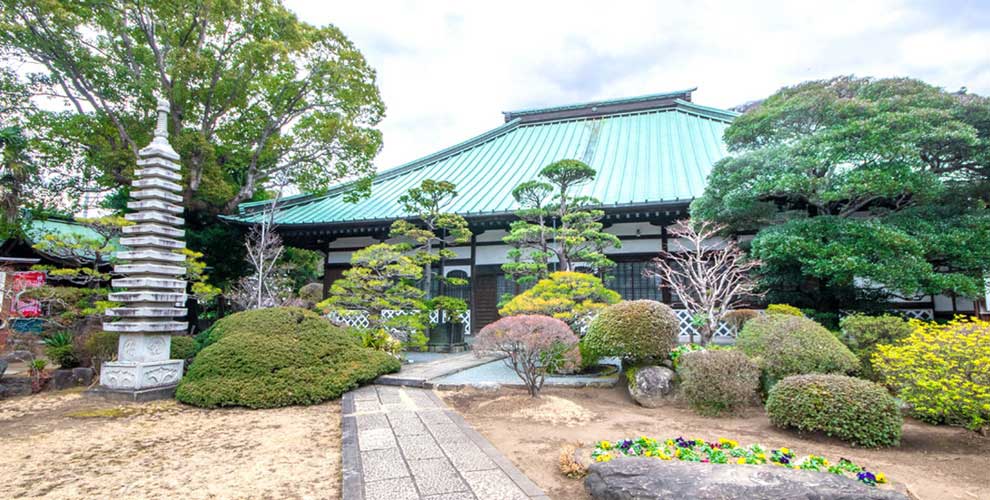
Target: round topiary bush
[(718, 381), (275, 357), (785, 309), (785, 345), (851, 409), (569, 296), (635, 330)]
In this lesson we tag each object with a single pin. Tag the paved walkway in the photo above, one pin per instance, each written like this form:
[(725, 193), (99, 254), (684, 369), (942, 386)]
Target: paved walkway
[(404, 443), (419, 374)]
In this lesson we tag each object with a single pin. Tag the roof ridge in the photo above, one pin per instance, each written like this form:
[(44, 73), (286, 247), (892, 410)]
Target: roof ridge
[(604, 102)]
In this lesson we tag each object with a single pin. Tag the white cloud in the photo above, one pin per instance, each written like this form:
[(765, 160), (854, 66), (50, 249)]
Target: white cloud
[(447, 68)]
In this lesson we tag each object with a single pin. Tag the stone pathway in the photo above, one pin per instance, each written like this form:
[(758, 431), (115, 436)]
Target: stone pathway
[(420, 374), (404, 443)]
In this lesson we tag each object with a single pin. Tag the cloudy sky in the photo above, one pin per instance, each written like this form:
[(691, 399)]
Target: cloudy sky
[(447, 69)]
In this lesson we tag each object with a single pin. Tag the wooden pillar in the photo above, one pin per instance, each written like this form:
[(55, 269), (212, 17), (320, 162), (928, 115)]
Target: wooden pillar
[(664, 290), (471, 280)]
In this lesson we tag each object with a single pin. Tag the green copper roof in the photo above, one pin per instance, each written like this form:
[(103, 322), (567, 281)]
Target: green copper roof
[(649, 156), (37, 229)]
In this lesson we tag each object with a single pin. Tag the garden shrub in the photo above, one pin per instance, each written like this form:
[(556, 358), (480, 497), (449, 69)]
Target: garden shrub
[(784, 345), (534, 346), (942, 371), (100, 347), (182, 347), (311, 292), (852, 409), (281, 356), (568, 296), (738, 317), (635, 330), (61, 350), (862, 333), (785, 309), (719, 381)]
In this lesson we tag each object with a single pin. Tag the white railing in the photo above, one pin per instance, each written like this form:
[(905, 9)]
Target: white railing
[(723, 334), (359, 319)]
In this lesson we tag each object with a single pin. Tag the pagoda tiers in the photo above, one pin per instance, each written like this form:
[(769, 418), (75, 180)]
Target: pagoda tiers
[(151, 267)]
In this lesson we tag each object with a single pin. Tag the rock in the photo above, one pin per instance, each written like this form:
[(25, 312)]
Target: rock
[(66, 378), (647, 478), (650, 384), (3, 368), (15, 386), (24, 356)]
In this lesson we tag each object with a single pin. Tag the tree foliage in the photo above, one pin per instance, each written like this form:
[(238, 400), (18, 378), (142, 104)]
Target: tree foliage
[(382, 277), (434, 228), (557, 225), (253, 91), (859, 181)]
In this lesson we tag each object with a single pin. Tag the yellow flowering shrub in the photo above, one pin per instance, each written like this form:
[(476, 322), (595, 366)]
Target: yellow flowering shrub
[(942, 371), (565, 295)]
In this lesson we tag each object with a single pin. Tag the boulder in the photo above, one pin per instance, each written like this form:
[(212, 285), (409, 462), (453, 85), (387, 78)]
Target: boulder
[(650, 384), (3, 368), (14, 385), (66, 378), (646, 478)]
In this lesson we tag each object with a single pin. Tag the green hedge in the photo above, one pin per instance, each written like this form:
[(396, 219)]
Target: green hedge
[(848, 408), (275, 357), (862, 334), (635, 330), (182, 347), (718, 381), (785, 345)]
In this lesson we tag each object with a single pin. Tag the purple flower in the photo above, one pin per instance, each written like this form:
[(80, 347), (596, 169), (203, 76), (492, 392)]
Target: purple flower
[(625, 444)]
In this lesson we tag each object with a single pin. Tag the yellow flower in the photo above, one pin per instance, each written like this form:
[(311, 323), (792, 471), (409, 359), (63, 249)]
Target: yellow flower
[(741, 460), (647, 453), (825, 462), (881, 478), (605, 445), (603, 458), (785, 451)]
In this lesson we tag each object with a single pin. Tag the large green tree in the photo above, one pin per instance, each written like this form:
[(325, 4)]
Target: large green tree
[(859, 188), (255, 94)]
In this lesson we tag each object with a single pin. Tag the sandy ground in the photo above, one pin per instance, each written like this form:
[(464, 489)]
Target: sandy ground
[(933, 462), (68, 445)]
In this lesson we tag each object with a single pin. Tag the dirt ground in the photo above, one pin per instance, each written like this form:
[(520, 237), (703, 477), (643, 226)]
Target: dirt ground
[(933, 462), (68, 445)]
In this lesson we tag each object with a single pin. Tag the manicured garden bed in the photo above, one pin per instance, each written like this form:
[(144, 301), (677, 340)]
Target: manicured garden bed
[(931, 461)]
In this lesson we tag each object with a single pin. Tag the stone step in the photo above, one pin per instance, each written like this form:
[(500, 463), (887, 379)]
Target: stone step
[(155, 216), (152, 182), (149, 269), (152, 241), (159, 205), (149, 283), (155, 229), (149, 297), (146, 312), (145, 326), (148, 194), (158, 162), (150, 254), (164, 173)]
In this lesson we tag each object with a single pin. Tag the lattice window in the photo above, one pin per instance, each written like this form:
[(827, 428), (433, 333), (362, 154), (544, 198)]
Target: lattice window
[(628, 280)]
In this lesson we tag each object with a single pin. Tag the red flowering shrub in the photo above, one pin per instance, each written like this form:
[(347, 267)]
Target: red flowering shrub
[(534, 346)]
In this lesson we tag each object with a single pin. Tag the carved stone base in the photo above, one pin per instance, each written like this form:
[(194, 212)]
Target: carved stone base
[(138, 396), (132, 375)]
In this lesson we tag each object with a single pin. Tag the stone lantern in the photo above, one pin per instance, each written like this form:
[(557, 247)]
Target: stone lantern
[(151, 271)]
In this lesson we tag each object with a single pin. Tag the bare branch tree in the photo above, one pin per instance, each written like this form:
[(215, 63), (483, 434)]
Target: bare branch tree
[(709, 280), (265, 286)]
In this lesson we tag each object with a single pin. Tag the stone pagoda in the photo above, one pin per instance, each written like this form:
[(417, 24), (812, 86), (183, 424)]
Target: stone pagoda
[(151, 270)]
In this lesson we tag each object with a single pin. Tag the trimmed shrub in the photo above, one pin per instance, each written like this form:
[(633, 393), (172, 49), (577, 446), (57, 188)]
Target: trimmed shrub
[(100, 347), (854, 410), (784, 345), (634, 330), (281, 356), (862, 333), (182, 347), (942, 371), (311, 292), (738, 317), (785, 309), (61, 350), (719, 381), (534, 346), (567, 296)]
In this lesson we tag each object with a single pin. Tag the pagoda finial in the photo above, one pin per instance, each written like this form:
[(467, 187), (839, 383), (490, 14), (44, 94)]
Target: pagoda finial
[(163, 108)]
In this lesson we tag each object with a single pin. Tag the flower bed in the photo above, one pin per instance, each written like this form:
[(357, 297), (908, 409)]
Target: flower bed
[(728, 451)]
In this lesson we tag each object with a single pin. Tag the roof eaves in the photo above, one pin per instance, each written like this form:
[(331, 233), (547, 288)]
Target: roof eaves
[(709, 112)]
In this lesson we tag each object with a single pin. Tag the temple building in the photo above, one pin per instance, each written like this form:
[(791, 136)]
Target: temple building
[(652, 155)]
